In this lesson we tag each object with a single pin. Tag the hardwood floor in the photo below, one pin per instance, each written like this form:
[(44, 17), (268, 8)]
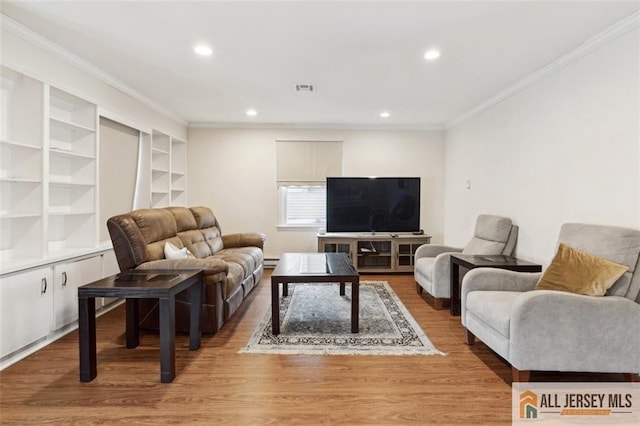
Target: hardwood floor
[(216, 385)]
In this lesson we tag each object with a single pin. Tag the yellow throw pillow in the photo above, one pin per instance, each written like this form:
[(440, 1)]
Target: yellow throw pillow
[(576, 271)]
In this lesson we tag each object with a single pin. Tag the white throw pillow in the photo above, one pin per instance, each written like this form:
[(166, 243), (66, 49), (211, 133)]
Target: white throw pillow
[(173, 252)]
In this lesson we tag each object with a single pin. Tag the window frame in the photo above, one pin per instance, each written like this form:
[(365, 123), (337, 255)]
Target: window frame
[(283, 208)]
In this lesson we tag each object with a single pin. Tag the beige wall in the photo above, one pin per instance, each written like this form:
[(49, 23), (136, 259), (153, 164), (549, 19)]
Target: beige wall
[(233, 172), (565, 149)]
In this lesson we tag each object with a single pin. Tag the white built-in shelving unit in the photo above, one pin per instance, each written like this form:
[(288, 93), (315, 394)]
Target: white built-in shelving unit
[(160, 169), (49, 206), (178, 172), (72, 201)]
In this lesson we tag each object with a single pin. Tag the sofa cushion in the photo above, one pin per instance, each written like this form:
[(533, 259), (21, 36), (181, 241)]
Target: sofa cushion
[(492, 228), (184, 218), (579, 272), (195, 242), (155, 224), (247, 257), (213, 239), (493, 308), (480, 246)]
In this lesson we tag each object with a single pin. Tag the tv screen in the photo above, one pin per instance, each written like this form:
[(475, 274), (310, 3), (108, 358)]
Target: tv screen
[(383, 204)]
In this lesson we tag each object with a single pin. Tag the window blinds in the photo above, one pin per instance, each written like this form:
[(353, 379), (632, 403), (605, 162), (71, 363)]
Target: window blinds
[(307, 162)]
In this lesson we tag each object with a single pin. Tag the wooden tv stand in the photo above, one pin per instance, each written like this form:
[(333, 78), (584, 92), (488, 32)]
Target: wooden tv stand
[(383, 252)]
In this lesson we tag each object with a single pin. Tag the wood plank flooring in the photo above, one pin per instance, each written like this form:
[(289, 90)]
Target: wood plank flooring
[(216, 385)]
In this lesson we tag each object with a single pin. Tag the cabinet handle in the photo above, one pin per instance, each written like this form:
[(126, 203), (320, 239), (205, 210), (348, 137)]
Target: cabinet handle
[(64, 278), (43, 286)]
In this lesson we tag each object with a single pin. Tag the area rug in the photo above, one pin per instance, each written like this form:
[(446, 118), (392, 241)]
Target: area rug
[(316, 320)]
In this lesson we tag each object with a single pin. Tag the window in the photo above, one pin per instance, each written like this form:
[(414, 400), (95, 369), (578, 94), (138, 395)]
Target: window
[(303, 205), (302, 168)]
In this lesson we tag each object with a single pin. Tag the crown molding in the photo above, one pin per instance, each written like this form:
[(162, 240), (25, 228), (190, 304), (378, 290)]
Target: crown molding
[(313, 126), (30, 36), (617, 30)]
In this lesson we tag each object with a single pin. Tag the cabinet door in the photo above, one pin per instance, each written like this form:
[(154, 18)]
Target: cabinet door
[(25, 309), (67, 278)]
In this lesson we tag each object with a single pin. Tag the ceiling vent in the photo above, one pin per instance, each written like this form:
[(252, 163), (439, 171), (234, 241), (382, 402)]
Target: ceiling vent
[(305, 88)]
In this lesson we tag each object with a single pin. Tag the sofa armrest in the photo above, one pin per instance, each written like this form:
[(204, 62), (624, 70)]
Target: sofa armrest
[(559, 331), (494, 279), (209, 266), (246, 239), (432, 250)]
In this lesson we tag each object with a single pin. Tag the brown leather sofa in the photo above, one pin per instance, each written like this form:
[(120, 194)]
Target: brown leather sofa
[(232, 264)]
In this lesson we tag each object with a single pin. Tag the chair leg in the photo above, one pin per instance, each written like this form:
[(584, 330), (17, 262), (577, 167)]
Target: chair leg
[(438, 303), (520, 375), (469, 338), (632, 377), (419, 288)]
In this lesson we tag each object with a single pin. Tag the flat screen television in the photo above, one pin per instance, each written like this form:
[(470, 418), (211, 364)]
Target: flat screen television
[(382, 204)]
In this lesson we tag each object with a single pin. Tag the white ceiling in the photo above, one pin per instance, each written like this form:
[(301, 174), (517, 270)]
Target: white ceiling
[(362, 57)]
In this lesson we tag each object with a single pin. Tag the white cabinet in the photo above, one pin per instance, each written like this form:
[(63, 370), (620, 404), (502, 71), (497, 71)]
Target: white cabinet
[(25, 308), (67, 278), (40, 305)]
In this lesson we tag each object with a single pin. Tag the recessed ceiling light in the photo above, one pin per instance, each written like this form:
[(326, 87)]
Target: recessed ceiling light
[(385, 114), (432, 54), (203, 50), (252, 112)]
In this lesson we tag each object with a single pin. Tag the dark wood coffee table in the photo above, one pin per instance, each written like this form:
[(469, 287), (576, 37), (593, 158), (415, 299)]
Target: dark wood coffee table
[(314, 268), (471, 261), (162, 285)]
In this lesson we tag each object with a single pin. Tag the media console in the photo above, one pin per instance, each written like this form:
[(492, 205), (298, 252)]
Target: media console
[(384, 252)]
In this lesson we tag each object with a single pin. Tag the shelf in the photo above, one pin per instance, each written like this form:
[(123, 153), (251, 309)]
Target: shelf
[(159, 151), (18, 145), (70, 154), (20, 215), (70, 110), (72, 127), (59, 211), (19, 180), (21, 109), (69, 183)]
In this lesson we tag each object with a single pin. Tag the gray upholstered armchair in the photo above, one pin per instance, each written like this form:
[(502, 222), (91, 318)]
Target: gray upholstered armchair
[(492, 235), (549, 330)]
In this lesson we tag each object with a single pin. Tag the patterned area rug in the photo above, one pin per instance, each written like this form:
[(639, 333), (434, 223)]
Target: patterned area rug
[(316, 320)]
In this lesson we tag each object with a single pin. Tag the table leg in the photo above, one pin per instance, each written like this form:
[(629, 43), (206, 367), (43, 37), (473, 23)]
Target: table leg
[(133, 325), (275, 307), (355, 306), (87, 338), (342, 288), (167, 339), (195, 299), (455, 288)]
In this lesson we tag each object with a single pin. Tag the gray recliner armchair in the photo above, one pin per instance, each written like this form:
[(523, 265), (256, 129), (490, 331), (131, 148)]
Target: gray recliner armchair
[(550, 330), (492, 235)]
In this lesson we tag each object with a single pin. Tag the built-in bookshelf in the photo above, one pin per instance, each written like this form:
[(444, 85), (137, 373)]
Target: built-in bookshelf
[(72, 172), (160, 169), (178, 172), (21, 167)]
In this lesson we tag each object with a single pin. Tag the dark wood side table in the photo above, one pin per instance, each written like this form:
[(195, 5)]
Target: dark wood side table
[(470, 261), (163, 285), (314, 268)]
